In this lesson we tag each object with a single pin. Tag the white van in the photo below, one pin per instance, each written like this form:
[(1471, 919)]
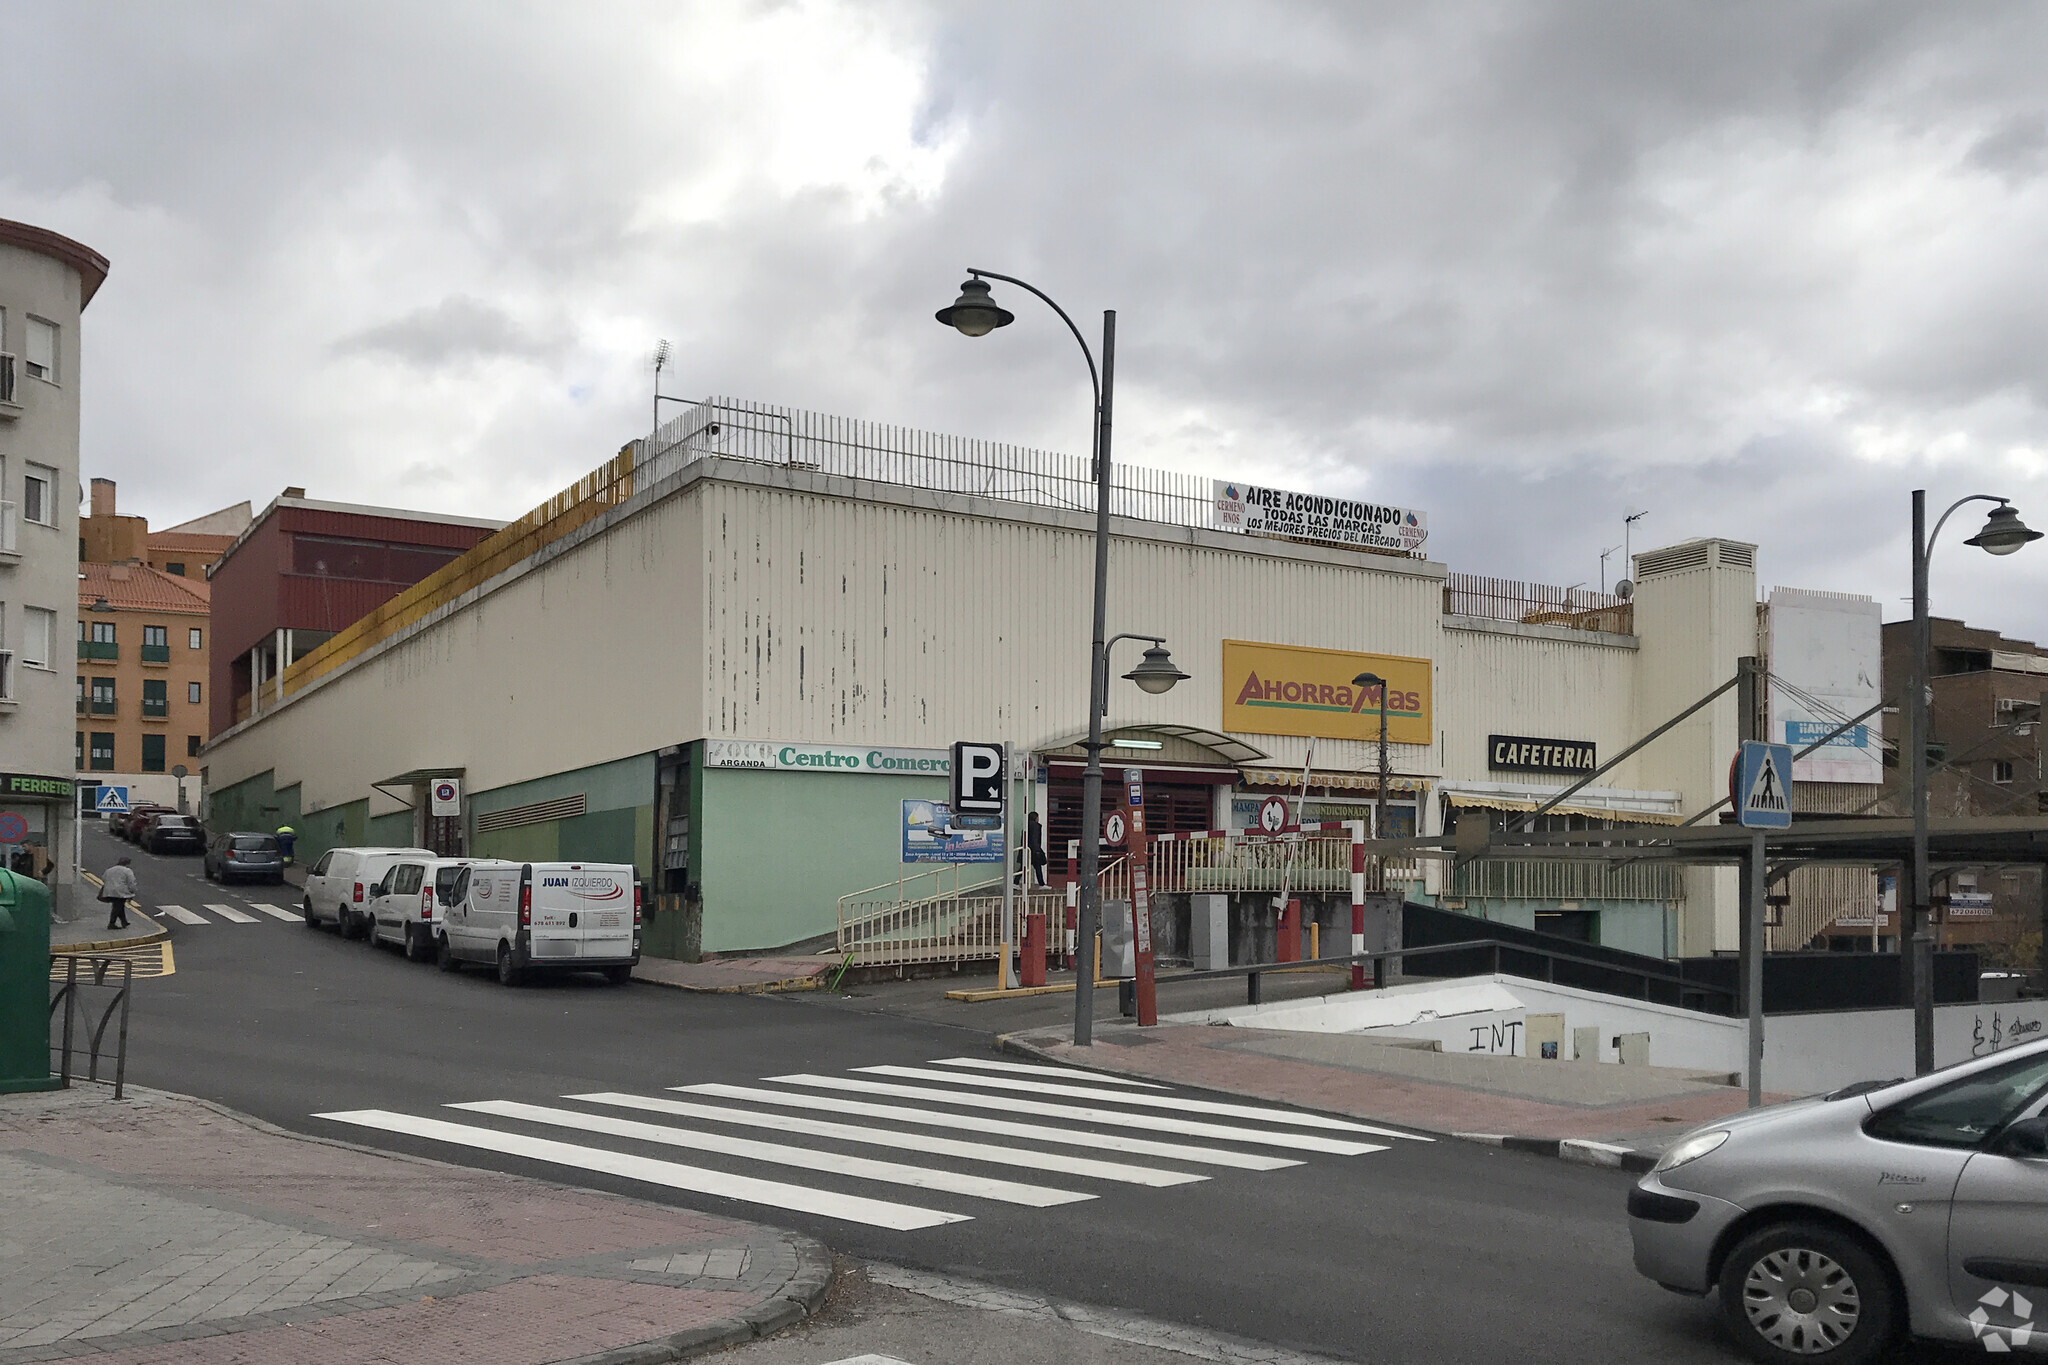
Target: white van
[(544, 917), (407, 904), (338, 886)]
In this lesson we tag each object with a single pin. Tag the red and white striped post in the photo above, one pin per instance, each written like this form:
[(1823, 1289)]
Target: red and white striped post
[(1073, 916), (1357, 902)]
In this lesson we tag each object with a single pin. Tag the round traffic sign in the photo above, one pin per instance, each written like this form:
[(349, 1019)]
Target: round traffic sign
[(444, 791), (1113, 827), (1273, 814), (13, 829)]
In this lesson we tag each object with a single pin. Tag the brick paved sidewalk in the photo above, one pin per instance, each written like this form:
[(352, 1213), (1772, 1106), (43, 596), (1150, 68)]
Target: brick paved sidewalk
[(737, 975), (161, 1228), (1362, 1079)]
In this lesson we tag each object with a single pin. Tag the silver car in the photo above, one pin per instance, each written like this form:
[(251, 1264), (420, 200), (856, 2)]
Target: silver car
[(1832, 1225)]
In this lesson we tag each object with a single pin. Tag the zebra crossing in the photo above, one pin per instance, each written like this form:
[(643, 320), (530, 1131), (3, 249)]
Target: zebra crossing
[(974, 1132), (225, 913)]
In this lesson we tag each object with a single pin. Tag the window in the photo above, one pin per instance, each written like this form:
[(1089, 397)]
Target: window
[(102, 632), (174, 567), (192, 743), (2001, 770), (102, 751), (156, 635), (38, 634), (156, 701), (320, 868), (42, 350), (192, 640), (103, 691), (1963, 1113), (81, 739), (39, 495), (192, 693), (152, 753)]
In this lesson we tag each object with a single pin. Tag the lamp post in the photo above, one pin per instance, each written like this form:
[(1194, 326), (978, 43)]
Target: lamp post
[(975, 314), (2003, 533), (1379, 827)]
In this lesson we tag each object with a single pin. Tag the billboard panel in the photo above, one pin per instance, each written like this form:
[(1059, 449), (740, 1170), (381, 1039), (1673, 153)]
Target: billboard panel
[(1294, 690), (1826, 663)]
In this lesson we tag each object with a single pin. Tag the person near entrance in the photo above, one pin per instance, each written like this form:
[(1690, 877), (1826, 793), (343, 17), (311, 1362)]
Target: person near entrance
[(117, 888), (1034, 842)]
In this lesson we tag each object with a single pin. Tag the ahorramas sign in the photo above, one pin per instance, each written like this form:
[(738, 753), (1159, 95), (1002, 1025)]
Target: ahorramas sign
[(1296, 690)]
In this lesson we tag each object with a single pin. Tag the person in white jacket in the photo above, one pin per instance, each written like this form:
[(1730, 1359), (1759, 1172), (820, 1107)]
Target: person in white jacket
[(117, 888)]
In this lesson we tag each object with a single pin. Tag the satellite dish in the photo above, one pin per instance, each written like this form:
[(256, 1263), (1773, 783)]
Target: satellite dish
[(1624, 589)]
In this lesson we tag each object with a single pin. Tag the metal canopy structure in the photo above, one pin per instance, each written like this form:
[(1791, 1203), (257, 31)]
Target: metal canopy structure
[(1879, 841)]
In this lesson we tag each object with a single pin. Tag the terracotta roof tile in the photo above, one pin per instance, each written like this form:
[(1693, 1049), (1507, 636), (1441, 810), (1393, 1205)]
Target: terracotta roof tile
[(136, 587)]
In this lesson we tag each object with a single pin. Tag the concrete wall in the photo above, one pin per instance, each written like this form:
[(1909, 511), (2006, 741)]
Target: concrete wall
[(617, 824)]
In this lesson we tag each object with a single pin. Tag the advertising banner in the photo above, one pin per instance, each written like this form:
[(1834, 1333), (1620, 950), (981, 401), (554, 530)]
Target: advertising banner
[(1259, 511), (929, 836), (1294, 690), (825, 758), (1825, 667)]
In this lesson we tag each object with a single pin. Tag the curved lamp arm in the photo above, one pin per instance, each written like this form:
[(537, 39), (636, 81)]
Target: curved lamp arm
[(1110, 643), (1094, 381), (1927, 553)]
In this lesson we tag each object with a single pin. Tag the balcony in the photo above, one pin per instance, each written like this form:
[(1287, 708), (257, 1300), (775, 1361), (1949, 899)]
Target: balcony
[(155, 708), (99, 651), (156, 654), (102, 706), (10, 407), (6, 677)]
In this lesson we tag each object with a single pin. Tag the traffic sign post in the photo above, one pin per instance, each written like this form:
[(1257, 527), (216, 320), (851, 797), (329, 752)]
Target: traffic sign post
[(1762, 790), (13, 829), (1273, 814), (1141, 900), (112, 800)]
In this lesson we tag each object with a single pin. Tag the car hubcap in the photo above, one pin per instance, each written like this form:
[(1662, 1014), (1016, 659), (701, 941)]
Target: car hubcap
[(1801, 1301)]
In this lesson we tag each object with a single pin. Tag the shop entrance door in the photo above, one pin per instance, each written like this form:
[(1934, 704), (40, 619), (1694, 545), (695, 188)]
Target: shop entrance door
[(1170, 808)]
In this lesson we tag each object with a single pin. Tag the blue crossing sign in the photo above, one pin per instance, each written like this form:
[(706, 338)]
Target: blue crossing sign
[(113, 800), (1762, 790)]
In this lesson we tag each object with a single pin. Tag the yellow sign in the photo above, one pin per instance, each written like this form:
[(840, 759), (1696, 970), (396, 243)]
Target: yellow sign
[(1293, 690)]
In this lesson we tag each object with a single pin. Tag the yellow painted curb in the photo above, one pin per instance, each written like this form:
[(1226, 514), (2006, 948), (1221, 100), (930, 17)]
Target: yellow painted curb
[(102, 945)]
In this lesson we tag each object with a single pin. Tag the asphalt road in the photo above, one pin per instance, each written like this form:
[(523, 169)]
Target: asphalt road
[(1444, 1251)]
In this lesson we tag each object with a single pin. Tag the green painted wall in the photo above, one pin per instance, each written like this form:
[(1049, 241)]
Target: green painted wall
[(1633, 926), (617, 825), (391, 830), (774, 851)]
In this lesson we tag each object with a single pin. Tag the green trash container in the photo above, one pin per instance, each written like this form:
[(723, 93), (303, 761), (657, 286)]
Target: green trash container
[(24, 984)]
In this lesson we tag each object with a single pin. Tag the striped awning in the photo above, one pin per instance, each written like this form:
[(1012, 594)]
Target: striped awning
[(1635, 812)]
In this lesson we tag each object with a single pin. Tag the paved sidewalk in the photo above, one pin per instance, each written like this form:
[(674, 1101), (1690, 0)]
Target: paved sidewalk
[(738, 975), (89, 932), (1637, 1108), (164, 1229)]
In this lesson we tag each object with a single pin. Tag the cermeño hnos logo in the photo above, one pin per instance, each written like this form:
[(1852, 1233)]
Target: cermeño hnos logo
[(2003, 1320)]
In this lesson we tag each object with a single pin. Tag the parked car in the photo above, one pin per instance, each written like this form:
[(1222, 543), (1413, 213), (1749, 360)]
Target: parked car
[(170, 832), (524, 918), (244, 857), (1831, 1225), (337, 886), (128, 824), (410, 900)]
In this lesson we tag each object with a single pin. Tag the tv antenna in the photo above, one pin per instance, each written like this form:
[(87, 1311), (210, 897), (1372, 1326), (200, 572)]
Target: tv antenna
[(1625, 588), (662, 357), (1604, 554)]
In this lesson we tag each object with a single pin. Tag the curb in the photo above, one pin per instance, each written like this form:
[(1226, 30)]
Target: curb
[(1583, 1151), (158, 935), (799, 1299), (789, 983)]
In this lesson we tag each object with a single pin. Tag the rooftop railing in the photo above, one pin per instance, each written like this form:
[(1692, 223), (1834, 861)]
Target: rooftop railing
[(1536, 604)]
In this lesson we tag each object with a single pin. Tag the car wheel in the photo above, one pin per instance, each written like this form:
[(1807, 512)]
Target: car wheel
[(306, 909), (419, 945), (370, 932), (508, 973), (1806, 1292), (345, 922), (444, 956), (618, 976)]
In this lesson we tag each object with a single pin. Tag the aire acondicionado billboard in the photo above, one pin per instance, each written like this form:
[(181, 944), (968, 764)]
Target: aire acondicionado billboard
[(1826, 663), (1297, 690)]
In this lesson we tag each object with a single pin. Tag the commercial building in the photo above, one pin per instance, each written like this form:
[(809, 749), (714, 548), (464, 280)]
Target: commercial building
[(736, 655), (46, 281), (300, 571), (141, 680)]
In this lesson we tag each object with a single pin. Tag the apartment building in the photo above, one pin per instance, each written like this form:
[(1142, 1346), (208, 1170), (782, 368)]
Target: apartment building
[(142, 679)]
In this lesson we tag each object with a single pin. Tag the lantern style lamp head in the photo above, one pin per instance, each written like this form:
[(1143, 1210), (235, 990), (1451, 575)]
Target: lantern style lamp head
[(1371, 680), (2003, 531), (1156, 672), (974, 313)]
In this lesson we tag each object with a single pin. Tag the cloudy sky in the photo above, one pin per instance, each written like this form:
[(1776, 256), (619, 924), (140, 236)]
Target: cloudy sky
[(1758, 268)]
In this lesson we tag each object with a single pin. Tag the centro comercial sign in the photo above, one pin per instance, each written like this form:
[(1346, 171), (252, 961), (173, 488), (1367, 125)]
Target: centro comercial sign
[(826, 758)]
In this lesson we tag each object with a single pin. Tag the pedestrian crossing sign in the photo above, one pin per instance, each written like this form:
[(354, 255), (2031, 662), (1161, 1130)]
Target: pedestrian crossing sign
[(113, 800), (1763, 793)]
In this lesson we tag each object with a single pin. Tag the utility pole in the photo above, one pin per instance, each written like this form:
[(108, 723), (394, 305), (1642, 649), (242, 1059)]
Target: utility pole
[(1751, 940)]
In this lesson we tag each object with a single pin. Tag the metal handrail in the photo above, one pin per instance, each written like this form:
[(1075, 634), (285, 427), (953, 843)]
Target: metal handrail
[(1378, 962), (67, 996)]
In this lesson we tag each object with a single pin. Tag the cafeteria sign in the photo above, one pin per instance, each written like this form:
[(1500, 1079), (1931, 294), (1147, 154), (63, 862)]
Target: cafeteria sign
[(1295, 690), (1276, 512)]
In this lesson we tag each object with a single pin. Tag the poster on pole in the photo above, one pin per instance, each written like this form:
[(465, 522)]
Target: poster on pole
[(931, 836)]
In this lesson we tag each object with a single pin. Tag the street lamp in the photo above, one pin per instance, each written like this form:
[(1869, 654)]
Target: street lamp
[(2003, 533), (976, 314), (1379, 828)]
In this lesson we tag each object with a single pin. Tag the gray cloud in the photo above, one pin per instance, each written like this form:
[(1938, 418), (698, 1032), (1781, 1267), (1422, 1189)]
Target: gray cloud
[(1762, 268)]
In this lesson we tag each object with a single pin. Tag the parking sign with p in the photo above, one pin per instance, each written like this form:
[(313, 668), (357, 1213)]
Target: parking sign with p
[(978, 780)]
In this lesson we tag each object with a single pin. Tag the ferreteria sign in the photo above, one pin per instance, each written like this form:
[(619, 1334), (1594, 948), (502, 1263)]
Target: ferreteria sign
[(826, 758), (1295, 690), (1520, 754), (30, 787), (1258, 511)]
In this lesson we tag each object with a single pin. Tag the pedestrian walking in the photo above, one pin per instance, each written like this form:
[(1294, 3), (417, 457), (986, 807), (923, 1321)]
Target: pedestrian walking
[(1034, 839), (117, 888)]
